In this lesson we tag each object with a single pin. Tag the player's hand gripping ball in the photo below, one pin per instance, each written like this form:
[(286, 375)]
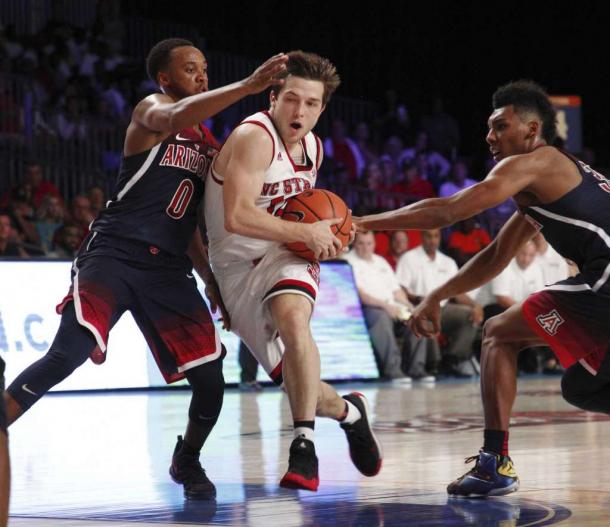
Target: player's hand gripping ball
[(315, 205)]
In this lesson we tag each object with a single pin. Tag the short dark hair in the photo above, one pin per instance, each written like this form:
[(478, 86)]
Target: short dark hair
[(311, 67), (159, 55), (529, 96)]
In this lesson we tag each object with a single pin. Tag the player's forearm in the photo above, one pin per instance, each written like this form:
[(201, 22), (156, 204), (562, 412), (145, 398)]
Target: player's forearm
[(197, 253), (254, 222), (196, 108), (479, 270), (432, 213)]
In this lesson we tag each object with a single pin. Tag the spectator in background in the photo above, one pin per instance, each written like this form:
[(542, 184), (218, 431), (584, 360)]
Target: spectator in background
[(421, 270), (81, 214), (392, 149), (412, 185), (467, 240), (522, 277), (383, 304), (377, 195), (458, 180), (38, 187), (70, 122), (399, 244), (433, 165), (554, 266), (10, 247), (68, 240), (49, 218), (362, 136), (97, 199), (248, 370), (442, 129), (343, 150)]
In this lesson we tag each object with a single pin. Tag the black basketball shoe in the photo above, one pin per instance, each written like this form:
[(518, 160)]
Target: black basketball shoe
[(364, 447), (186, 470), (302, 466)]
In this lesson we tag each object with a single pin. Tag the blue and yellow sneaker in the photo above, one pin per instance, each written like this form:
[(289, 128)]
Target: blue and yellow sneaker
[(492, 475)]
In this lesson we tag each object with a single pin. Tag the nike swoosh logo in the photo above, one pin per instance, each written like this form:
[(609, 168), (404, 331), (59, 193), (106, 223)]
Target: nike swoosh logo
[(25, 388), (180, 138)]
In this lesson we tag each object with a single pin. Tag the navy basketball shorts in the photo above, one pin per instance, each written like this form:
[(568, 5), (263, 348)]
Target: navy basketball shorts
[(573, 320), (2, 407), (112, 275)]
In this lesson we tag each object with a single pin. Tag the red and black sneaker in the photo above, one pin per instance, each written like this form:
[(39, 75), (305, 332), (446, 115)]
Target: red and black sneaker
[(187, 470), (302, 466), (364, 447)]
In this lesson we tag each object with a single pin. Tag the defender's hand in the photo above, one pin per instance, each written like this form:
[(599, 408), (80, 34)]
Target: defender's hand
[(426, 319), (213, 293), (265, 75)]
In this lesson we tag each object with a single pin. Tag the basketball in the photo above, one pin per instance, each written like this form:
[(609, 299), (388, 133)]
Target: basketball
[(315, 205)]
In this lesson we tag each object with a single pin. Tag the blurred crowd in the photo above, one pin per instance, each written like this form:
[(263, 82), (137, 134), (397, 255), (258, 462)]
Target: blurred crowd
[(80, 76)]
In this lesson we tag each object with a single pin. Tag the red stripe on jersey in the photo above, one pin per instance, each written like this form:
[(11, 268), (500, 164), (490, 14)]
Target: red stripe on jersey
[(258, 123)]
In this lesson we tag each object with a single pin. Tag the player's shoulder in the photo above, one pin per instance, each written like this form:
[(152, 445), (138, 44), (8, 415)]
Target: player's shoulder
[(253, 134)]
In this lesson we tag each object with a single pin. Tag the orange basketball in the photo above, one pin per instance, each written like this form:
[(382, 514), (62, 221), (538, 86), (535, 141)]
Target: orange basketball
[(315, 205)]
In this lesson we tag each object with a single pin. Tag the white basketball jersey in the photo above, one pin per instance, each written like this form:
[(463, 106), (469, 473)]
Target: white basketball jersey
[(283, 179)]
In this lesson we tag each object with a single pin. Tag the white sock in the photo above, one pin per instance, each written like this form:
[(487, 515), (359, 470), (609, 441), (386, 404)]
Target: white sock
[(353, 414), (304, 432)]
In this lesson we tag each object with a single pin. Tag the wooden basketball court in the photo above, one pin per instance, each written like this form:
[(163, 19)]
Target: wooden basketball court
[(102, 460)]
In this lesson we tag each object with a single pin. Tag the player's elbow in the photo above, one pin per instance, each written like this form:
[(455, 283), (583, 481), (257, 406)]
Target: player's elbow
[(233, 223)]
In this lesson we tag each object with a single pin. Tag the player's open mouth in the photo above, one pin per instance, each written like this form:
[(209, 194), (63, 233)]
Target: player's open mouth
[(296, 126)]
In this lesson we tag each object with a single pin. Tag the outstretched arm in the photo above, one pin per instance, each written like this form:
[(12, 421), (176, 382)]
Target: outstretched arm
[(479, 270), (508, 177), (159, 113)]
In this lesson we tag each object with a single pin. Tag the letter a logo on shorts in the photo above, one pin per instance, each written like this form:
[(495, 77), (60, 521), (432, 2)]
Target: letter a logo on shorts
[(550, 321)]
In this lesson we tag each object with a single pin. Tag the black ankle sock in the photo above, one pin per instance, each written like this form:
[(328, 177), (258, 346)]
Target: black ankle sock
[(495, 441), (304, 424)]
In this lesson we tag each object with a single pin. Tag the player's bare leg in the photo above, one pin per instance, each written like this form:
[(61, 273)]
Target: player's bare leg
[(503, 337), (301, 363), (13, 409), (5, 478)]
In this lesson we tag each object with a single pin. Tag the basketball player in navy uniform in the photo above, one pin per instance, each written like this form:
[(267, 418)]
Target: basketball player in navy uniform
[(569, 203), (5, 471), (142, 248)]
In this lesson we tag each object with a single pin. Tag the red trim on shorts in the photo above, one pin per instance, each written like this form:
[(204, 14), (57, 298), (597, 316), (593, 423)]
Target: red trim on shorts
[(276, 374), (291, 284), (570, 342)]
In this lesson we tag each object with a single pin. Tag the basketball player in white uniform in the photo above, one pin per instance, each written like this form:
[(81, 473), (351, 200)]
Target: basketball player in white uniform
[(269, 292)]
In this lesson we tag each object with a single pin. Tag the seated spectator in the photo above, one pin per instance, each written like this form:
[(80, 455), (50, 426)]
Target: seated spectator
[(437, 167), (399, 244), (362, 137), (70, 122), (522, 277), (458, 180), (67, 242), (49, 217), (37, 187), (421, 270), (383, 302), (382, 240), (442, 129), (10, 247), (412, 184), (554, 266), (343, 150), (97, 199), (467, 240), (81, 214)]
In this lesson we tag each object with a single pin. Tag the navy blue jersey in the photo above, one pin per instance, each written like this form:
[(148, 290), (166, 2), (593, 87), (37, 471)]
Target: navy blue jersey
[(159, 190), (577, 225)]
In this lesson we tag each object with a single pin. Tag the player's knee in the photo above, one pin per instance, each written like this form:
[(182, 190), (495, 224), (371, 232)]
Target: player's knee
[(208, 386), (577, 390)]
